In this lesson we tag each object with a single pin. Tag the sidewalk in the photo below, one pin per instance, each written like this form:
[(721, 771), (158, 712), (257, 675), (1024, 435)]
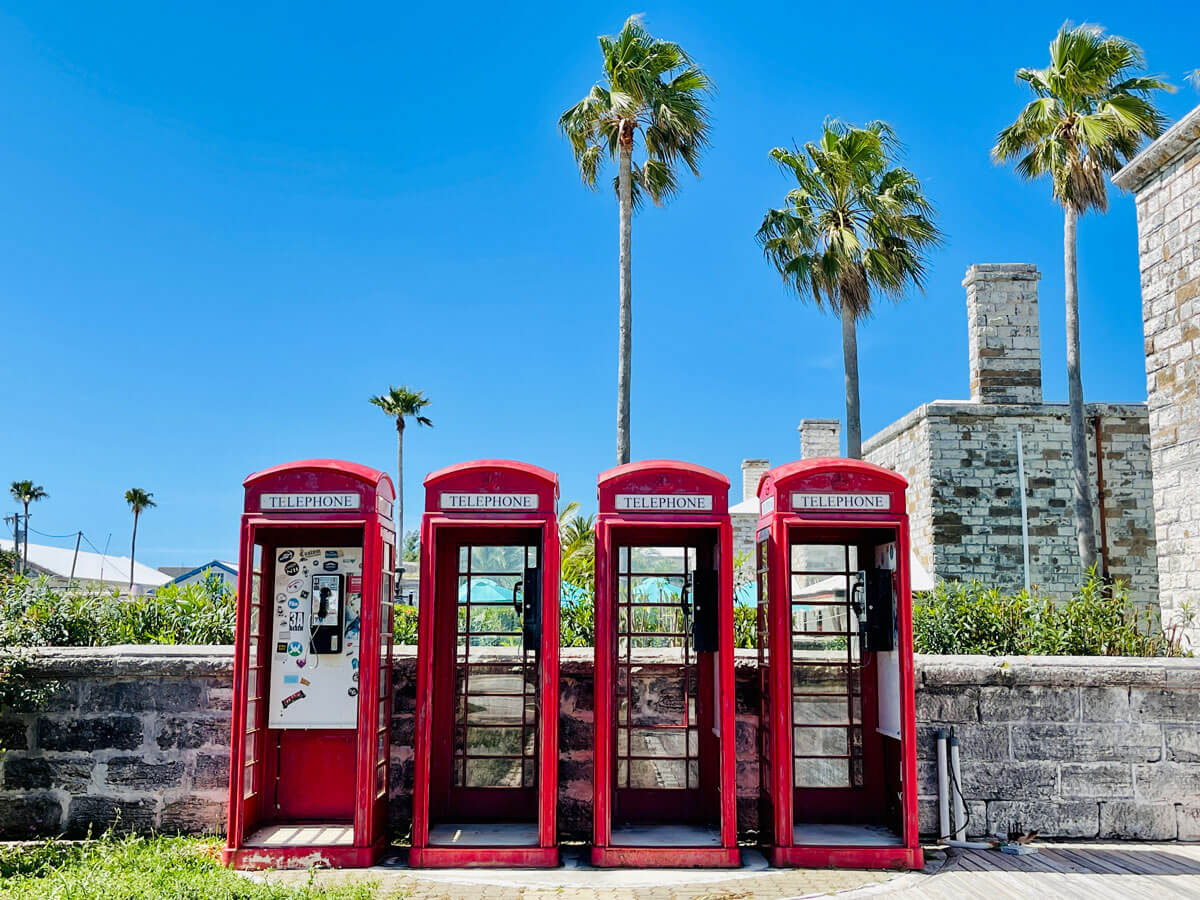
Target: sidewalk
[(1059, 870)]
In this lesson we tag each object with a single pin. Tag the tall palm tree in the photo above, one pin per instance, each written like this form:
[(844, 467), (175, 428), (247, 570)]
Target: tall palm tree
[(138, 501), (1090, 113), (855, 225), (653, 89), (26, 492), (400, 403)]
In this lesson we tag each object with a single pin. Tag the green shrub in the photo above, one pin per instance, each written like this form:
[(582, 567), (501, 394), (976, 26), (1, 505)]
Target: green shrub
[(577, 623), (33, 614), (1099, 620), (745, 627)]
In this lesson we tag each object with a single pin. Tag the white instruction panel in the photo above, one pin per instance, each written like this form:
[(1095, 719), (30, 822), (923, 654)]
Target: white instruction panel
[(888, 663), (317, 604)]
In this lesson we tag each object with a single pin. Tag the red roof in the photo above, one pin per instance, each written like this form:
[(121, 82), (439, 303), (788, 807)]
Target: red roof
[(356, 470), (831, 463), (512, 465), (651, 465)]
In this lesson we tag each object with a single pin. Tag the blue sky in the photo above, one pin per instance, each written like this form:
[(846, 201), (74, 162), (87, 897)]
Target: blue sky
[(227, 225)]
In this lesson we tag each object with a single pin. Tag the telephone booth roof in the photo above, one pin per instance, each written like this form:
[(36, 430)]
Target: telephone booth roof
[(314, 477), (831, 475), (662, 477), (492, 476)]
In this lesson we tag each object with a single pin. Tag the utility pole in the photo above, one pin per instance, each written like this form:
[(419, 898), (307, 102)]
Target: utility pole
[(15, 518), (74, 559)]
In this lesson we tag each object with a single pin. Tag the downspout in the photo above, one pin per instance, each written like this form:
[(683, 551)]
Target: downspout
[(1100, 498), (1024, 510)]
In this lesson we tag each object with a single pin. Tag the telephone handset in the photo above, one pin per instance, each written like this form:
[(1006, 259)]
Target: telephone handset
[(327, 613), (875, 610)]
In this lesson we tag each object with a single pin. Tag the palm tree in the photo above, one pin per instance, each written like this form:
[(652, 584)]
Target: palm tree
[(400, 403), (853, 226), (1090, 113), (653, 89), (26, 492), (138, 501), (577, 539)]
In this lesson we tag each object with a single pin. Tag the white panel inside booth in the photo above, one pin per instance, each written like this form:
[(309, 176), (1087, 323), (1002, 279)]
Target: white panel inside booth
[(887, 664), (311, 690)]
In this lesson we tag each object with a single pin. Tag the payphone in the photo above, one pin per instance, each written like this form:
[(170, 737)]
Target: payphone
[(837, 739), (312, 668), (664, 765), (485, 781)]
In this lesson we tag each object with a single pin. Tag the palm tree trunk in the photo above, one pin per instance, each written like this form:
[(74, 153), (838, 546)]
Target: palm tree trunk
[(25, 558), (625, 197), (132, 550), (400, 481), (1085, 528), (850, 360)]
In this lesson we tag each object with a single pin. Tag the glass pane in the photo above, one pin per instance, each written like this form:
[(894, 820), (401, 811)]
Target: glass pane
[(498, 559), (462, 559), (657, 742), (657, 559), (531, 557), (662, 589), (484, 710), (489, 679), (818, 558), (821, 773), (670, 774), (820, 742), (622, 773), (657, 698), (831, 710), (493, 772), (819, 679), (493, 741)]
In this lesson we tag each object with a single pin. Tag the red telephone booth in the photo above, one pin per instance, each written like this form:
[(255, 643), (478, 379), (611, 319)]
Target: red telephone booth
[(312, 687), (837, 751), (487, 668), (665, 791)]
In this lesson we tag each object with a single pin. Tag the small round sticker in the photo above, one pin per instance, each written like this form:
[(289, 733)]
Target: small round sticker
[(353, 692)]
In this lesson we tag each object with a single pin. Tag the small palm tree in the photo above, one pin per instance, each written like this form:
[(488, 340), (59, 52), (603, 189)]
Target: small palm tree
[(400, 403), (1090, 114), (854, 226), (652, 89), (577, 540), (26, 492), (138, 501)]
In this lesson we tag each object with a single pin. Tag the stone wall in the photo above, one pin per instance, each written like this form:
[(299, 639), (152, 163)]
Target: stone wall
[(1074, 747), (968, 525), (1166, 180)]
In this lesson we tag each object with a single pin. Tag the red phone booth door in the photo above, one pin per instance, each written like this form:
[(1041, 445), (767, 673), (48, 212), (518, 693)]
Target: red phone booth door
[(663, 699), (489, 729)]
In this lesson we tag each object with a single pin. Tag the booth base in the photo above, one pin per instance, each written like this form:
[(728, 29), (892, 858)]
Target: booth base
[(304, 846), (483, 844), (846, 856), (673, 857)]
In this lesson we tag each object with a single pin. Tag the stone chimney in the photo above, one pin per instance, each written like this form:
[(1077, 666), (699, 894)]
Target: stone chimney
[(752, 471), (1002, 329), (820, 437)]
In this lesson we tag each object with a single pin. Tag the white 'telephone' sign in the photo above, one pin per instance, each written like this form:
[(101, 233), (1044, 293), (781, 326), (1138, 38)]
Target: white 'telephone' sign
[(664, 502), (490, 502), (309, 502), (843, 502)]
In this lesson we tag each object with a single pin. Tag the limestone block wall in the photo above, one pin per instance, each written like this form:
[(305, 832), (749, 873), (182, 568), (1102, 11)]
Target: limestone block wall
[(1077, 747), (1165, 178), (969, 524)]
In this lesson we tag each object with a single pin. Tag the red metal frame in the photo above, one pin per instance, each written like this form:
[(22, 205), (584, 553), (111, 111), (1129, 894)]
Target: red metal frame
[(781, 526), (620, 527), (370, 525), (494, 478)]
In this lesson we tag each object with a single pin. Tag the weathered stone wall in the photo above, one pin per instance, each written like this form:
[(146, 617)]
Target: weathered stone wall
[(969, 523), (1003, 333), (1075, 747), (1166, 180), (139, 733)]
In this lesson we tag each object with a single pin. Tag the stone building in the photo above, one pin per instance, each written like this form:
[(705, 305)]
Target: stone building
[(965, 459), (1165, 178)]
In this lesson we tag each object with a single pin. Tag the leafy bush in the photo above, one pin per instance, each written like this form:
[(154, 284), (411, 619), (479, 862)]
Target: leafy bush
[(33, 614), (133, 868), (745, 627), (1099, 620), (404, 624)]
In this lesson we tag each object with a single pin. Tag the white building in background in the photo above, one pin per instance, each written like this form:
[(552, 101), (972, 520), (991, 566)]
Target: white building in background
[(99, 569)]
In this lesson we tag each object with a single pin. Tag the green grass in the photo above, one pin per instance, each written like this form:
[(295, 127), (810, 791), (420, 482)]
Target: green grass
[(131, 868)]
